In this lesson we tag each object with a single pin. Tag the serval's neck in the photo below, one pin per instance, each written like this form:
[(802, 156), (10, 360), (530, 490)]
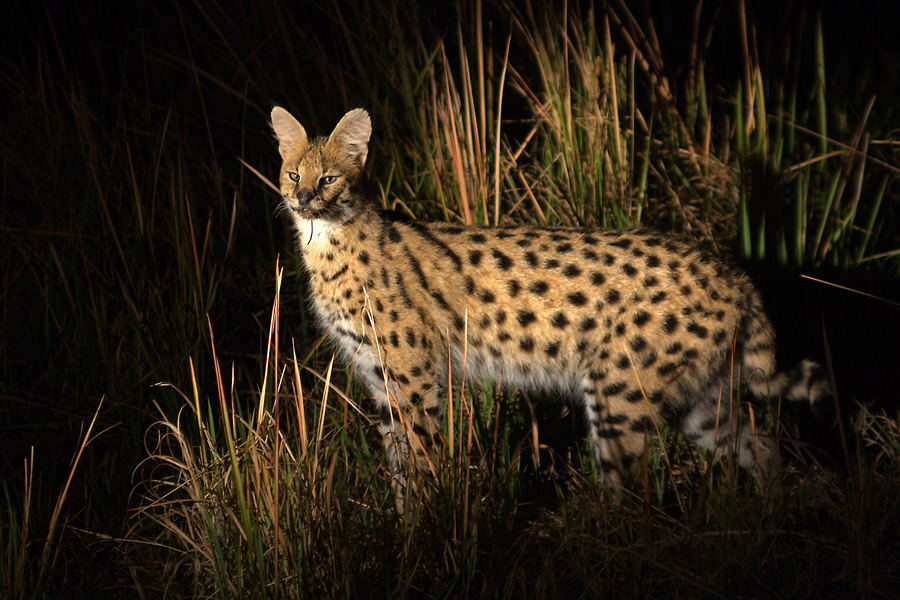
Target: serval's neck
[(320, 237)]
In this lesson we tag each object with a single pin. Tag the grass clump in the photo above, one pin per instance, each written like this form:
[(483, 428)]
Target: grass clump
[(283, 493)]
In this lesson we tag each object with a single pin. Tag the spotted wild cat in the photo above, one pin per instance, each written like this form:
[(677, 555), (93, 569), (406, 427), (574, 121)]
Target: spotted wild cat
[(637, 326)]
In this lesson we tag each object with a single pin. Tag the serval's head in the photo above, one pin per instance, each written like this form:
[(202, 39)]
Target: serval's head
[(322, 179)]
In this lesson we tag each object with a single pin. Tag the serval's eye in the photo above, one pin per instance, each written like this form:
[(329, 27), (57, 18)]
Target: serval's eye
[(328, 179), (295, 177)]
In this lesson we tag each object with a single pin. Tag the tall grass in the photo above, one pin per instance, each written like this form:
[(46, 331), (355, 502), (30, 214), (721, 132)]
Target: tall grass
[(28, 559), (583, 165), (285, 494), (139, 248)]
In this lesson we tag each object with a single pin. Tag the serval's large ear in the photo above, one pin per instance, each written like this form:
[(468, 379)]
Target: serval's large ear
[(288, 130), (352, 133)]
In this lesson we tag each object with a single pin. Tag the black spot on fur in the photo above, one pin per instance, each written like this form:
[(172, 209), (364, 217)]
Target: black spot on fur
[(634, 395), (538, 287), (699, 330), (559, 320), (577, 299), (643, 424), (525, 318), (614, 388), (468, 285), (597, 374), (615, 419), (571, 271), (439, 298), (667, 368), (503, 262), (609, 434), (670, 323)]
